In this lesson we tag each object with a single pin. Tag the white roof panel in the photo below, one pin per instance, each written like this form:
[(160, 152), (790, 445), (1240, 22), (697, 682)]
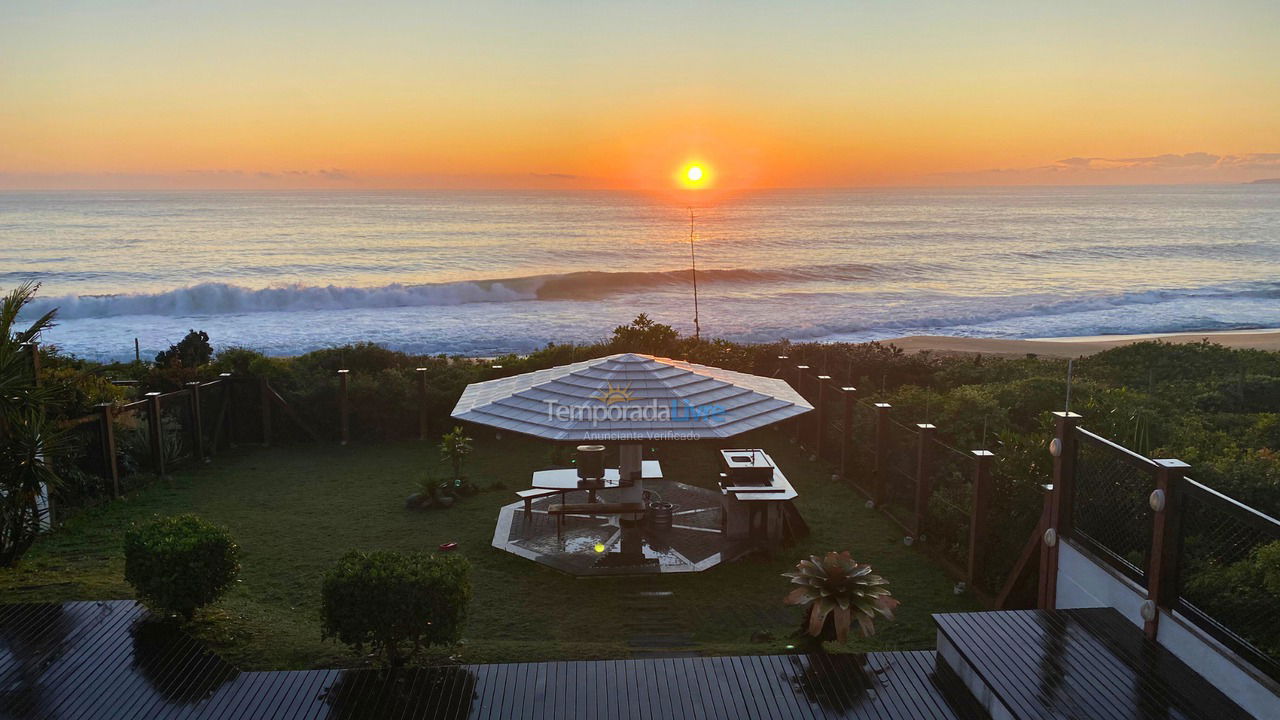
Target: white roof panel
[(630, 397)]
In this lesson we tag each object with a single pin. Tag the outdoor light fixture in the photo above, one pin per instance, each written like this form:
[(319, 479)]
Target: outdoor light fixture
[(599, 547), (1156, 501), (1055, 447), (1148, 611)]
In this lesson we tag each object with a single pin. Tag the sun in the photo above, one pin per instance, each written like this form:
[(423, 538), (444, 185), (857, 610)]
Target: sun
[(694, 175)]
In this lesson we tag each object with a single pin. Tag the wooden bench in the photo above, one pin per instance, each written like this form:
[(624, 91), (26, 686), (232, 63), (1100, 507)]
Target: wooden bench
[(595, 508), (528, 496)]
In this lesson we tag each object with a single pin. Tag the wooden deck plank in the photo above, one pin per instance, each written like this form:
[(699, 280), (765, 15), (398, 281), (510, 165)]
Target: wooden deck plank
[(765, 688), (916, 669), (1087, 662), (1018, 696), (136, 689), (99, 652), (778, 669), (100, 672), (1087, 676), (1109, 672)]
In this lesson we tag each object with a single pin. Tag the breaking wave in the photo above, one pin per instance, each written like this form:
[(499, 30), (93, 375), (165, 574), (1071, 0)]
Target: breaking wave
[(227, 299)]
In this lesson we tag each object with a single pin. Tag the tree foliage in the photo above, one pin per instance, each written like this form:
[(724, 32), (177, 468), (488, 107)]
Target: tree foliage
[(180, 564), (191, 351), (30, 440), (395, 603)]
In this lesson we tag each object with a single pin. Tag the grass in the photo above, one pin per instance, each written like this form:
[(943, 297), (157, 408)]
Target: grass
[(294, 510)]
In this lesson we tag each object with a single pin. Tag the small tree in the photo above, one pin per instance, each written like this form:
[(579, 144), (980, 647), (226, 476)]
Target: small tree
[(180, 564), (455, 446), (644, 335), (191, 351), (30, 438), (396, 603)]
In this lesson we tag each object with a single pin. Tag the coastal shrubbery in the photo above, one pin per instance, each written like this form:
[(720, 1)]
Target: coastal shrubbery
[(1214, 407), (395, 603), (180, 564)]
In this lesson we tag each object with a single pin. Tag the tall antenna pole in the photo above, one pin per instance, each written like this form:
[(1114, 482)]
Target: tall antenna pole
[(1071, 364), (693, 264)]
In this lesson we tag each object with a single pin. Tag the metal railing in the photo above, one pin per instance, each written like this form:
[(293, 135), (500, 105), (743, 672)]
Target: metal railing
[(1111, 514), (933, 491), (1196, 552), (1228, 573), (948, 513)]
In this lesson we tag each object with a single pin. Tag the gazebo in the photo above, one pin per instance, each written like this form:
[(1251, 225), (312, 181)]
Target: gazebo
[(630, 399)]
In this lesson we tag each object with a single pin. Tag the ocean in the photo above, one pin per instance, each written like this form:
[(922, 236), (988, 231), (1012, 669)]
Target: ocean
[(485, 273)]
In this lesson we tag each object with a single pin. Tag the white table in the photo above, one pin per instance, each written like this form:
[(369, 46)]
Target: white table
[(567, 478)]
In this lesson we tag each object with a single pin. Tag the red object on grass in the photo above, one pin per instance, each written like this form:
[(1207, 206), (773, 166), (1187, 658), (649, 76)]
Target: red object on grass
[(448, 546)]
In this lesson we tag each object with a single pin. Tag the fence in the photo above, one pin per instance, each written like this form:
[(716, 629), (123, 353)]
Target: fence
[(1201, 555), (938, 494), (113, 450)]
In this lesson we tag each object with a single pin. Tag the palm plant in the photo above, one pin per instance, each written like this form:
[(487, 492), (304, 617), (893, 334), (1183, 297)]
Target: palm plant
[(455, 446), (836, 589), (29, 439)]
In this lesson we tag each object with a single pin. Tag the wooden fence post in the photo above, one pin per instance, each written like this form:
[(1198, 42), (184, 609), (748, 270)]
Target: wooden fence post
[(801, 371), (979, 517), (228, 408), (33, 357), (924, 474), (343, 409), (1063, 447), (264, 397), (423, 430), (155, 432), (848, 397), (197, 422), (882, 453), (1166, 540), (820, 406), (106, 416)]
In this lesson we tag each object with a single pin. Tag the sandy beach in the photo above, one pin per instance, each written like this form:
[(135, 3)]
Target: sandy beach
[(1268, 339)]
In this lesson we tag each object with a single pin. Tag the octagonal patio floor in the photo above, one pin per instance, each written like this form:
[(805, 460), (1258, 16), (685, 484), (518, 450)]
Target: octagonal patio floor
[(590, 544)]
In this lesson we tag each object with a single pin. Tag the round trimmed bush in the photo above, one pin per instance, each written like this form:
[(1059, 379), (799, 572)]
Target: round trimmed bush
[(179, 564), (395, 603)]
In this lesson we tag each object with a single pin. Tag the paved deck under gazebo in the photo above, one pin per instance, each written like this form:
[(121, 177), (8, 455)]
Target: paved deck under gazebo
[(693, 543)]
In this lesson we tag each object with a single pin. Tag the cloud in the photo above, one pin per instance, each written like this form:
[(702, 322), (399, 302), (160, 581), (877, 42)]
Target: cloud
[(1173, 168)]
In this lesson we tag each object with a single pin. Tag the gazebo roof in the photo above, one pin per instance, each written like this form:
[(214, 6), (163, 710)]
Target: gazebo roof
[(630, 397)]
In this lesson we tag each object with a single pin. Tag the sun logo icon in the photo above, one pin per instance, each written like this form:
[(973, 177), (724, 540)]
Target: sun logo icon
[(612, 394)]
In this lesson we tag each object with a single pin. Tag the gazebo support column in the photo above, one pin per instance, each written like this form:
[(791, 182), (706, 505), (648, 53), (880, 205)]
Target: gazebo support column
[(630, 458)]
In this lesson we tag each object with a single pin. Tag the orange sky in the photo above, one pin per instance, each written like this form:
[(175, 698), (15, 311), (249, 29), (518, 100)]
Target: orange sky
[(620, 94)]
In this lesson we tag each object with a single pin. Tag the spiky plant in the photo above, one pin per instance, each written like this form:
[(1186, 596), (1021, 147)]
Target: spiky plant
[(30, 440), (840, 588)]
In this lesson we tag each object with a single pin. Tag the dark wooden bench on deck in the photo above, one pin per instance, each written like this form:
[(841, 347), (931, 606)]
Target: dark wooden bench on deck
[(596, 508), (528, 496)]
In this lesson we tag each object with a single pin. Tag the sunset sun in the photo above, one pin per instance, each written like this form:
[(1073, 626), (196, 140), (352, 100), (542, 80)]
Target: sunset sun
[(694, 175)]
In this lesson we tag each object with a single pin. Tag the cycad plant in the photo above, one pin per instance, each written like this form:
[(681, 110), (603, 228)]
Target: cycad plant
[(836, 589), (29, 438)]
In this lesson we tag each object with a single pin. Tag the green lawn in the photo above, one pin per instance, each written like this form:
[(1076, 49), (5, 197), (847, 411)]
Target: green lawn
[(294, 510)]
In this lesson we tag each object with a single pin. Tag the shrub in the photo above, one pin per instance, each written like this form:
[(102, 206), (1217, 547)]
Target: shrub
[(835, 590), (179, 564), (396, 603), (191, 351), (455, 446)]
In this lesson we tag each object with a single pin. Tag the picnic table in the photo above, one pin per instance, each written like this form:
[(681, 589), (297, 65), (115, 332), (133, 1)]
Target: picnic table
[(567, 478)]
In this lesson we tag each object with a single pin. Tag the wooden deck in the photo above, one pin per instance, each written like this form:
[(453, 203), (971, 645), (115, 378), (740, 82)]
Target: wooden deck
[(1086, 663), (110, 660)]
